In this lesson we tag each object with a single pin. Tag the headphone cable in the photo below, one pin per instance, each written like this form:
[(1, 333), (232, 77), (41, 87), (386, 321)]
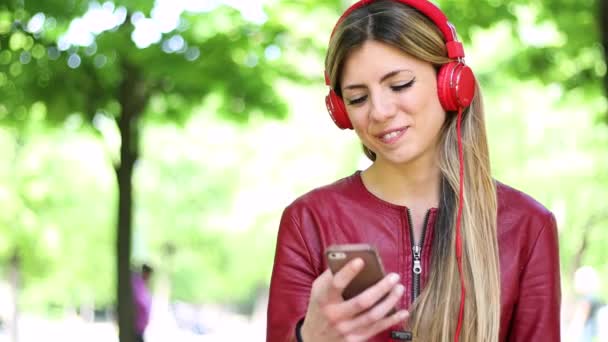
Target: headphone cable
[(458, 226)]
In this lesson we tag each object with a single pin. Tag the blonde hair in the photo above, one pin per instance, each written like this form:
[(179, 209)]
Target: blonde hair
[(434, 314)]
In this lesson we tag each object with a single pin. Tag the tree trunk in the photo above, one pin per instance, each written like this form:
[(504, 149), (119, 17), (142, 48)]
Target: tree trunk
[(603, 22), (133, 100), (124, 175)]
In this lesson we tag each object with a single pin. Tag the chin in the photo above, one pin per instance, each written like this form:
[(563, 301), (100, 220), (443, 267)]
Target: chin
[(399, 158)]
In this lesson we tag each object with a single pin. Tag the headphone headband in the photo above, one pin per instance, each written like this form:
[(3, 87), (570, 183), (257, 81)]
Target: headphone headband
[(454, 47)]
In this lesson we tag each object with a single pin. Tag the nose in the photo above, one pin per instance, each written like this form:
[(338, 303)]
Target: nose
[(382, 107)]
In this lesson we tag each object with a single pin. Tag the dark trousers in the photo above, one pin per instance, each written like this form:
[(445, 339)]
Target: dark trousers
[(139, 337)]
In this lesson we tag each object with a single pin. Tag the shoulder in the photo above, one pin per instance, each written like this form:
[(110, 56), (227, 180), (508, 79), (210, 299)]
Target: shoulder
[(520, 211), (529, 267), (515, 201), (305, 220)]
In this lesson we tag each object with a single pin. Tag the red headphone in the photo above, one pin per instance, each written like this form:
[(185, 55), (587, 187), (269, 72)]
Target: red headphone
[(455, 80), (455, 88)]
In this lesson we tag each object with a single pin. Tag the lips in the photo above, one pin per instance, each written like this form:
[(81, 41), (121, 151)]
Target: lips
[(391, 136)]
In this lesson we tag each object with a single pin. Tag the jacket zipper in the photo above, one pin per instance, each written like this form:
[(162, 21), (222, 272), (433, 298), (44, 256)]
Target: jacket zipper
[(417, 253)]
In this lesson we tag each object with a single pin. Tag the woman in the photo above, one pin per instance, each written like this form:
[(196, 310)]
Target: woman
[(488, 253)]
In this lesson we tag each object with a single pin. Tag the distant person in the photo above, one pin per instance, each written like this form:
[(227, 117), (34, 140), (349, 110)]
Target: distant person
[(142, 300), (584, 323)]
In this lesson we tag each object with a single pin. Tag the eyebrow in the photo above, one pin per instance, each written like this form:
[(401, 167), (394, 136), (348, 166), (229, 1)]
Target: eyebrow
[(389, 75)]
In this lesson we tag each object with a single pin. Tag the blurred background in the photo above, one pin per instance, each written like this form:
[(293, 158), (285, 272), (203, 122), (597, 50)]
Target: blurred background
[(174, 132)]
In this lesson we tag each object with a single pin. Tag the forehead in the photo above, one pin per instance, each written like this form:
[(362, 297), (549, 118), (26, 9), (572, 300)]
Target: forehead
[(373, 59)]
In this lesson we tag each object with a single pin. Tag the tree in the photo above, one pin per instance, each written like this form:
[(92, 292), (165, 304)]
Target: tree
[(108, 76)]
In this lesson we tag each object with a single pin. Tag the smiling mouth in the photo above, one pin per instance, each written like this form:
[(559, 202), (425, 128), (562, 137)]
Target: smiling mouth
[(392, 137)]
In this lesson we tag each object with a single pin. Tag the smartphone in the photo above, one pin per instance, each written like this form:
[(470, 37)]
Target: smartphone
[(339, 255)]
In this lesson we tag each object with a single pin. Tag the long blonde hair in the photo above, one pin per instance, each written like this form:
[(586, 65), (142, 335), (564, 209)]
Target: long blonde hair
[(434, 314)]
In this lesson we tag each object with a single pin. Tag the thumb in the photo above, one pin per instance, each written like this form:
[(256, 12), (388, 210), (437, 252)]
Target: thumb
[(321, 286)]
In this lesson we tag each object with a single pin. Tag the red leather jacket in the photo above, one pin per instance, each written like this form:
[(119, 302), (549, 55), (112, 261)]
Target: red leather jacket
[(345, 212)]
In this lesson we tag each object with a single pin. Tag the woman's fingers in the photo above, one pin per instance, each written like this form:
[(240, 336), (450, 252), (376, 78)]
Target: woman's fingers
[(327, 287), (375, 313), (358, 318), (321, 284), (346, 274), (366, 299), (397, 318)]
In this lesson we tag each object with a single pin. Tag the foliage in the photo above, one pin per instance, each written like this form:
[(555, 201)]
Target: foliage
[(205, 61), (555, 41), (57, 193)]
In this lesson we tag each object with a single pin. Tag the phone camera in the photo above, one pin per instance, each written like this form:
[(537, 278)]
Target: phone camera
[(337, 255)]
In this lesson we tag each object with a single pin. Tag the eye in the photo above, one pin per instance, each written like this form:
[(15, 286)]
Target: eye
[(357, 100), (402, 86)]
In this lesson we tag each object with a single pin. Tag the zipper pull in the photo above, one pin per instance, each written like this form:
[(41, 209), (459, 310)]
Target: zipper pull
[(417, 263)]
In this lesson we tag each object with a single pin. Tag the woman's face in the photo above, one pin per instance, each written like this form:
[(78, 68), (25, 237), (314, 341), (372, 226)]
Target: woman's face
[(391, 99)]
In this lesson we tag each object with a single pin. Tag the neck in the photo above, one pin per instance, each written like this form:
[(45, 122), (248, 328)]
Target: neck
[(415, 185)]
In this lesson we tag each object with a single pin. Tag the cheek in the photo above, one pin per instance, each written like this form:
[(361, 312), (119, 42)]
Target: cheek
[(430, 115), (434, 119), (360, 124), (358, 118), (435, 125)]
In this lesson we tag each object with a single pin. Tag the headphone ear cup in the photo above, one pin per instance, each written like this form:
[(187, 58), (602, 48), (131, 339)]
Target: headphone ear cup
[(455, 86), (443, 87), (337, 110)]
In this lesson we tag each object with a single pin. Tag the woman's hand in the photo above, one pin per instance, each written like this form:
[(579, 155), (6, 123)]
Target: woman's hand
[(331, 318)]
